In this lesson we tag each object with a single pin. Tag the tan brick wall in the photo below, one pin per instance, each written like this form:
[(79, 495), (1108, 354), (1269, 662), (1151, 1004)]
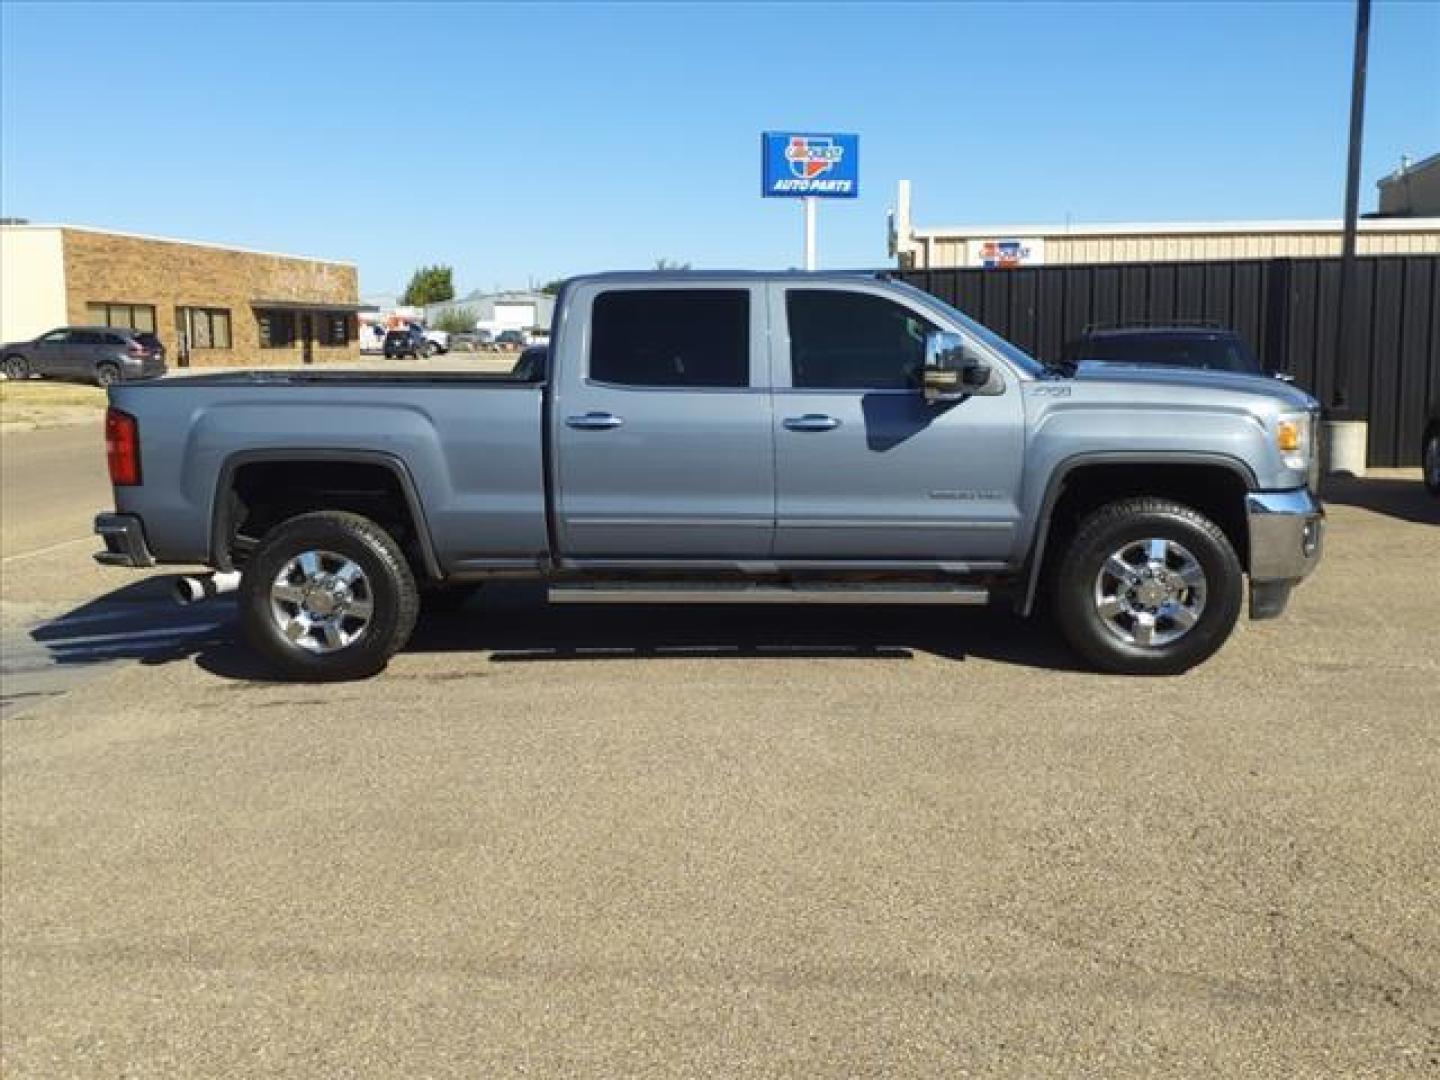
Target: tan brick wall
[(111, 268)]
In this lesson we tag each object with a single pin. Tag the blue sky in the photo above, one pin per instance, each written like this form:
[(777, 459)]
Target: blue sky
[(529, 142)]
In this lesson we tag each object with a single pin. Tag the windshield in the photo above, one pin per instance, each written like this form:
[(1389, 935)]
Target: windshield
[(1217, 352), (1010, 351)]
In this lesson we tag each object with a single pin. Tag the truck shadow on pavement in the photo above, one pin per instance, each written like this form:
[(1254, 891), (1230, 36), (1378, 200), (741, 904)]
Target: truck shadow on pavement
[(513, 623), (1406, 500), (141, 621)]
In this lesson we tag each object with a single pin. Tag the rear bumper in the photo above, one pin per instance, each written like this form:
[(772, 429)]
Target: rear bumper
[(124, 536), (1287, 532)]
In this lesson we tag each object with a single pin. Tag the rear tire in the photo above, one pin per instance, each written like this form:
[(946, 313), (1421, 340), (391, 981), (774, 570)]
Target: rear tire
[(288, 611), (1147, 587), (106, 374), (17, 367)]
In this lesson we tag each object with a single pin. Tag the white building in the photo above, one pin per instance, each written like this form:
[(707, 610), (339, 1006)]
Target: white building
[(516, 310), (1005, 246)]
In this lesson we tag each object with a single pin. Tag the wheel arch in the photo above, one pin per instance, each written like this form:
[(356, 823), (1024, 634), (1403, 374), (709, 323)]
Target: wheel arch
[(1085, 481), (226, 504)]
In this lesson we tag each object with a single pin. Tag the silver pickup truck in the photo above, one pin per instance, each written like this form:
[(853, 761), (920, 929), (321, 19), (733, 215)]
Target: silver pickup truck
[(728, 438)]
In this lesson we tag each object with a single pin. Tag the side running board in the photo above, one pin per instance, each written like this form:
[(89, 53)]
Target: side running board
[(654, 592)]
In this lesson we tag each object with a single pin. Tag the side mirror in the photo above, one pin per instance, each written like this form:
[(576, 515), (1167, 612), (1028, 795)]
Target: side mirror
[(950, 371)]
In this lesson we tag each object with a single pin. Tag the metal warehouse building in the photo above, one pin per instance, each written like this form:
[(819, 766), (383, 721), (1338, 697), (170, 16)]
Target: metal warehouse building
[(1005, 247), (518, 310)]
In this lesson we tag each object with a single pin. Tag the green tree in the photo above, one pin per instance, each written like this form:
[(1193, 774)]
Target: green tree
[(455, 321), (429, 285), (552, 288)]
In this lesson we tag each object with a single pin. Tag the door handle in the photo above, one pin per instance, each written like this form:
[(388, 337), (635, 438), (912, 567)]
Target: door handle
[(594, 421), (811, 422)]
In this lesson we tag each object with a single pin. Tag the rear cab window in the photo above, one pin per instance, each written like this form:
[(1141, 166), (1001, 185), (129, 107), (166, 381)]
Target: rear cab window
[(698, 338)]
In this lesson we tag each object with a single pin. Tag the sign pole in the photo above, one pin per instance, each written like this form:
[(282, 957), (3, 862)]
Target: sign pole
[(809, 202)]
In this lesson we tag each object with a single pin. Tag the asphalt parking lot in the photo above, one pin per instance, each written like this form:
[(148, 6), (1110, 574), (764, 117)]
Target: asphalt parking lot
[(834, 842)]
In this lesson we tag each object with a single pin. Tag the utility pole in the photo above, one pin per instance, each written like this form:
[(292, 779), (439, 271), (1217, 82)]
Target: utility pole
[(1346, 347), (1341, 389)]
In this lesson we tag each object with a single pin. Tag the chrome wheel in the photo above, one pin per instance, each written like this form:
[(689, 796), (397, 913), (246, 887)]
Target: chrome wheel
[(1151, 592), (321, 601)]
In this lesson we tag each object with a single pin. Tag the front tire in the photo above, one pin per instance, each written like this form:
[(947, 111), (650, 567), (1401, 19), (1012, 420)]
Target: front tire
[(328, 596), (1147, 587), (17, 367)]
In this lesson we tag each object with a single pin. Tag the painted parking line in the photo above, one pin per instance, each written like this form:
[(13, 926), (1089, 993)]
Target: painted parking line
[(47, 549)]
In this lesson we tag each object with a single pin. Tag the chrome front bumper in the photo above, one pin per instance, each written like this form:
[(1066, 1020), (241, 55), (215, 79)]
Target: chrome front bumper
[(1287, 532), (124, 537)]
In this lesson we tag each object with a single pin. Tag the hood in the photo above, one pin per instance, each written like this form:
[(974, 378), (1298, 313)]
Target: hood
[(1286, 394)]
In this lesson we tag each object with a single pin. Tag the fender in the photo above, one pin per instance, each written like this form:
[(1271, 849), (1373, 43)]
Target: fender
[(1055, 487), (220, 505)]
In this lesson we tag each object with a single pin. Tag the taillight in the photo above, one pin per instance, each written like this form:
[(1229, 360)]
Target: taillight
[(136, 349), (122, 448)]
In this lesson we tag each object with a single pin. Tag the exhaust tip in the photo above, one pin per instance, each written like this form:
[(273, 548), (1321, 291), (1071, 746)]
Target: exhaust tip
[(189, 590)]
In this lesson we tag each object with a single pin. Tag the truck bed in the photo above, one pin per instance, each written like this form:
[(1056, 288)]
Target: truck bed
[(472, 459)]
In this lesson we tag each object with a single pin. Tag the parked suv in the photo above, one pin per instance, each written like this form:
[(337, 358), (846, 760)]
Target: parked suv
[(98, 354), (408, 341), (1202, 345)]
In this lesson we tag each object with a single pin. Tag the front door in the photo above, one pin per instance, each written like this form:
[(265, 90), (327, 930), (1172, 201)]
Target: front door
[(661, 420), (866, 468)]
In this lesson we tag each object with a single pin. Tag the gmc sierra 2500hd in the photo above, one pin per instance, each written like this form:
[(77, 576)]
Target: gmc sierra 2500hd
[(732, 438)]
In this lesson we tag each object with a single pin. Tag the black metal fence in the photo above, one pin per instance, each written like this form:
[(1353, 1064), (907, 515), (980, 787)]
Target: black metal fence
[(1287, 309)]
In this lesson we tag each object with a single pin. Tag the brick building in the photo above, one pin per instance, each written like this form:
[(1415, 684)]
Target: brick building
[(210, 305)]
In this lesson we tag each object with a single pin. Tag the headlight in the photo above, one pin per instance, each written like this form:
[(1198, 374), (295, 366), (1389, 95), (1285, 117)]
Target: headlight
[(1295, 439)]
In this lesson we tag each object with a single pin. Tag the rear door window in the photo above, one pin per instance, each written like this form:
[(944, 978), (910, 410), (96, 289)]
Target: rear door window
[(87, 337), (671, 337)]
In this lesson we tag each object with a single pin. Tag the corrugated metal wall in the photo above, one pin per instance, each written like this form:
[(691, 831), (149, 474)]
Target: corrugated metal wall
[(1286, 308)]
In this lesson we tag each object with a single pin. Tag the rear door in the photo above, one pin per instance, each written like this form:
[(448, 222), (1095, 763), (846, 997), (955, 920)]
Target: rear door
[(661, 423), (866, 468), (52, 354), (87, 349)]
